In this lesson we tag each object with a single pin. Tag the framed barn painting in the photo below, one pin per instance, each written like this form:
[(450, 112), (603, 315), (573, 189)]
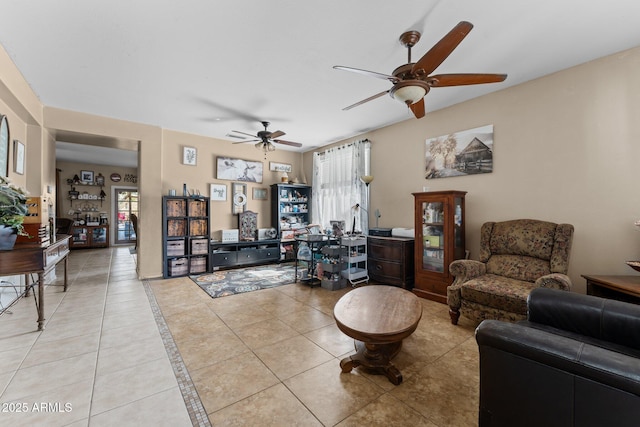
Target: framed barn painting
[(468, 152)]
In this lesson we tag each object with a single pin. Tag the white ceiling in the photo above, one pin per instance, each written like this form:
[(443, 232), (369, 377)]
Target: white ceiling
[(209, 67)]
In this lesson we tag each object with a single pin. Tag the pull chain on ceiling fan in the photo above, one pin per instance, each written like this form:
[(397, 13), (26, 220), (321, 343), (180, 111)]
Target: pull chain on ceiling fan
[(412, 81), (266, 139)]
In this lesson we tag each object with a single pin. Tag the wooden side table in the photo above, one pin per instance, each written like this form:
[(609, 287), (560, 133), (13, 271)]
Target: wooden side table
[(621, 288)]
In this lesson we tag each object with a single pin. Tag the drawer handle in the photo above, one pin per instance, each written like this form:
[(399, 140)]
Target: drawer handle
[(378, 267)]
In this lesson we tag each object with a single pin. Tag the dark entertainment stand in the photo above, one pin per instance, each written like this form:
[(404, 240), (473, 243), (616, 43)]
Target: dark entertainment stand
[(235, 254)]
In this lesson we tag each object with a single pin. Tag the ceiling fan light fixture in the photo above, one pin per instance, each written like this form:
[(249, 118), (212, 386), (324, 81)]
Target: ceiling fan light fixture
[(409, 92), (265, 146)]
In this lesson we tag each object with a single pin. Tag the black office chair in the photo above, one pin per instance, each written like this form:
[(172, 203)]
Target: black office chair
[(63, 225)]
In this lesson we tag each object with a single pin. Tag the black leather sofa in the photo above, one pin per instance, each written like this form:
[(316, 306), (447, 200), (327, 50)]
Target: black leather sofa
[(575, 361)]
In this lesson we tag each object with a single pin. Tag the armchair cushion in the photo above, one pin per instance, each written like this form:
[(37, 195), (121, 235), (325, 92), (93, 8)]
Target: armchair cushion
[(498, 292)]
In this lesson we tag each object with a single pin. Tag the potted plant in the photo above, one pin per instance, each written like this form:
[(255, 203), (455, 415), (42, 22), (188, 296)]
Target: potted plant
[(13, 208)]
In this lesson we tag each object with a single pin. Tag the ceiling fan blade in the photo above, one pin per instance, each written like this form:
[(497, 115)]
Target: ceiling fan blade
[(441, 50), (293, 144), (244, 133), (443, 80), (392, 79), (248, 140), (418, 109), (371, 98), (276, 134)]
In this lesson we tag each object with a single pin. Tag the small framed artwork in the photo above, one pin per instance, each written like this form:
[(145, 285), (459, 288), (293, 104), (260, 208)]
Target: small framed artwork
[(279, 167), (218, 192), (189, 155), (18, 157), (259, 194), (86, 177), (100, 179)]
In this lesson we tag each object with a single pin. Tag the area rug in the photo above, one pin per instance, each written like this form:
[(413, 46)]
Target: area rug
[(230, 282)]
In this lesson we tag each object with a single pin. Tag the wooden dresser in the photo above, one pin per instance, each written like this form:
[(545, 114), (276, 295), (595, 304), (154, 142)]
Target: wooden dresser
[(390, 260)]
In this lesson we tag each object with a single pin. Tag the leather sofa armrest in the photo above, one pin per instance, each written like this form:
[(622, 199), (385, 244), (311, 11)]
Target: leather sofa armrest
[(595, 363), (555, 281), (600, 318)]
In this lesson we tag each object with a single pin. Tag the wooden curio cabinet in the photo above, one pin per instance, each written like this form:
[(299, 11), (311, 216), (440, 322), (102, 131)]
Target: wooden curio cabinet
[(439, 225)]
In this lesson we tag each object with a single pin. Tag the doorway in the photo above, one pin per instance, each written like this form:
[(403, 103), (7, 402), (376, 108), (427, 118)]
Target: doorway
[(125, 206)]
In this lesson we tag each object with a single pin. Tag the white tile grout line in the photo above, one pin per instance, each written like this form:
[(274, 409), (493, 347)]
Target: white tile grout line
[(195, 408)]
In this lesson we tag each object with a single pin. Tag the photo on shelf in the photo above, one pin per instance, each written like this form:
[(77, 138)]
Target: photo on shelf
[(86, 177)]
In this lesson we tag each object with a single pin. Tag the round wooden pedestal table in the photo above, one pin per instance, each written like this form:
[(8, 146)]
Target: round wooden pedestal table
[(380, 317)]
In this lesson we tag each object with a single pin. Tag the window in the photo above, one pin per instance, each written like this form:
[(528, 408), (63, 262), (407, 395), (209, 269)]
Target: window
[(337, 188)]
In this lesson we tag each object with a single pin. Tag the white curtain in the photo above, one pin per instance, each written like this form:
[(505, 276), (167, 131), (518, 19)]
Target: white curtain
[(337, 187)]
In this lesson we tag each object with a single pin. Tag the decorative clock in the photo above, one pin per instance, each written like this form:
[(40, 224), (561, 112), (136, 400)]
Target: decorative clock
[(238, 198)]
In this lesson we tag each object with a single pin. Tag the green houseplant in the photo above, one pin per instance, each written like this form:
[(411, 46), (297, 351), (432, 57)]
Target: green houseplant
[(13, 208)]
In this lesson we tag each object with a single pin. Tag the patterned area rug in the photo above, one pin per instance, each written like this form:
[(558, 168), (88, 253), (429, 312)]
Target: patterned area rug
[(231, 282)]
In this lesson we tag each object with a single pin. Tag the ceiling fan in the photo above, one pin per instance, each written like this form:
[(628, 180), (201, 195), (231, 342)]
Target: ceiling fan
[(412, 81), (266, 139)]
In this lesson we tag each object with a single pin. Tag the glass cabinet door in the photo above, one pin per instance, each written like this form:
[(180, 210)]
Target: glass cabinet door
[(458, 229), (79, 236), (433, 236), (99, 235)]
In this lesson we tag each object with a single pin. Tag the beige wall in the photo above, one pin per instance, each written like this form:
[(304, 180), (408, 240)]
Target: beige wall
[(200, 177), (69, 169), (566, 149)]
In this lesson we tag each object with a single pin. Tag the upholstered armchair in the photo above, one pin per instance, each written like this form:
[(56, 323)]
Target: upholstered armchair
[(515, 257)]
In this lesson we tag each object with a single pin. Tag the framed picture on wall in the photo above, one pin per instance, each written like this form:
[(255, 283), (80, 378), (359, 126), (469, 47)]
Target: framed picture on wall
[(259, 194), (4, 146), (189, 155), (238, 170), (279, 167), (218, 192), (18, 157)]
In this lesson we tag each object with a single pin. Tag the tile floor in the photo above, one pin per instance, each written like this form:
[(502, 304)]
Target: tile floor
[(118, 351)]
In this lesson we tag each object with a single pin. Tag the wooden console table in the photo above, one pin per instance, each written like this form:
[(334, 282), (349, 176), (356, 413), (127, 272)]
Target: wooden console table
[(28, 258), (621, 288)]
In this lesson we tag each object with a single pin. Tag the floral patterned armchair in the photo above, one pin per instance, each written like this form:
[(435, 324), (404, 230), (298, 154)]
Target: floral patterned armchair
[(515, 257)]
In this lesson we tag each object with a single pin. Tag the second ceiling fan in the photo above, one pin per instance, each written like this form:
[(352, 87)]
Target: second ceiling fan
[(266, 139), (412, 81)]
